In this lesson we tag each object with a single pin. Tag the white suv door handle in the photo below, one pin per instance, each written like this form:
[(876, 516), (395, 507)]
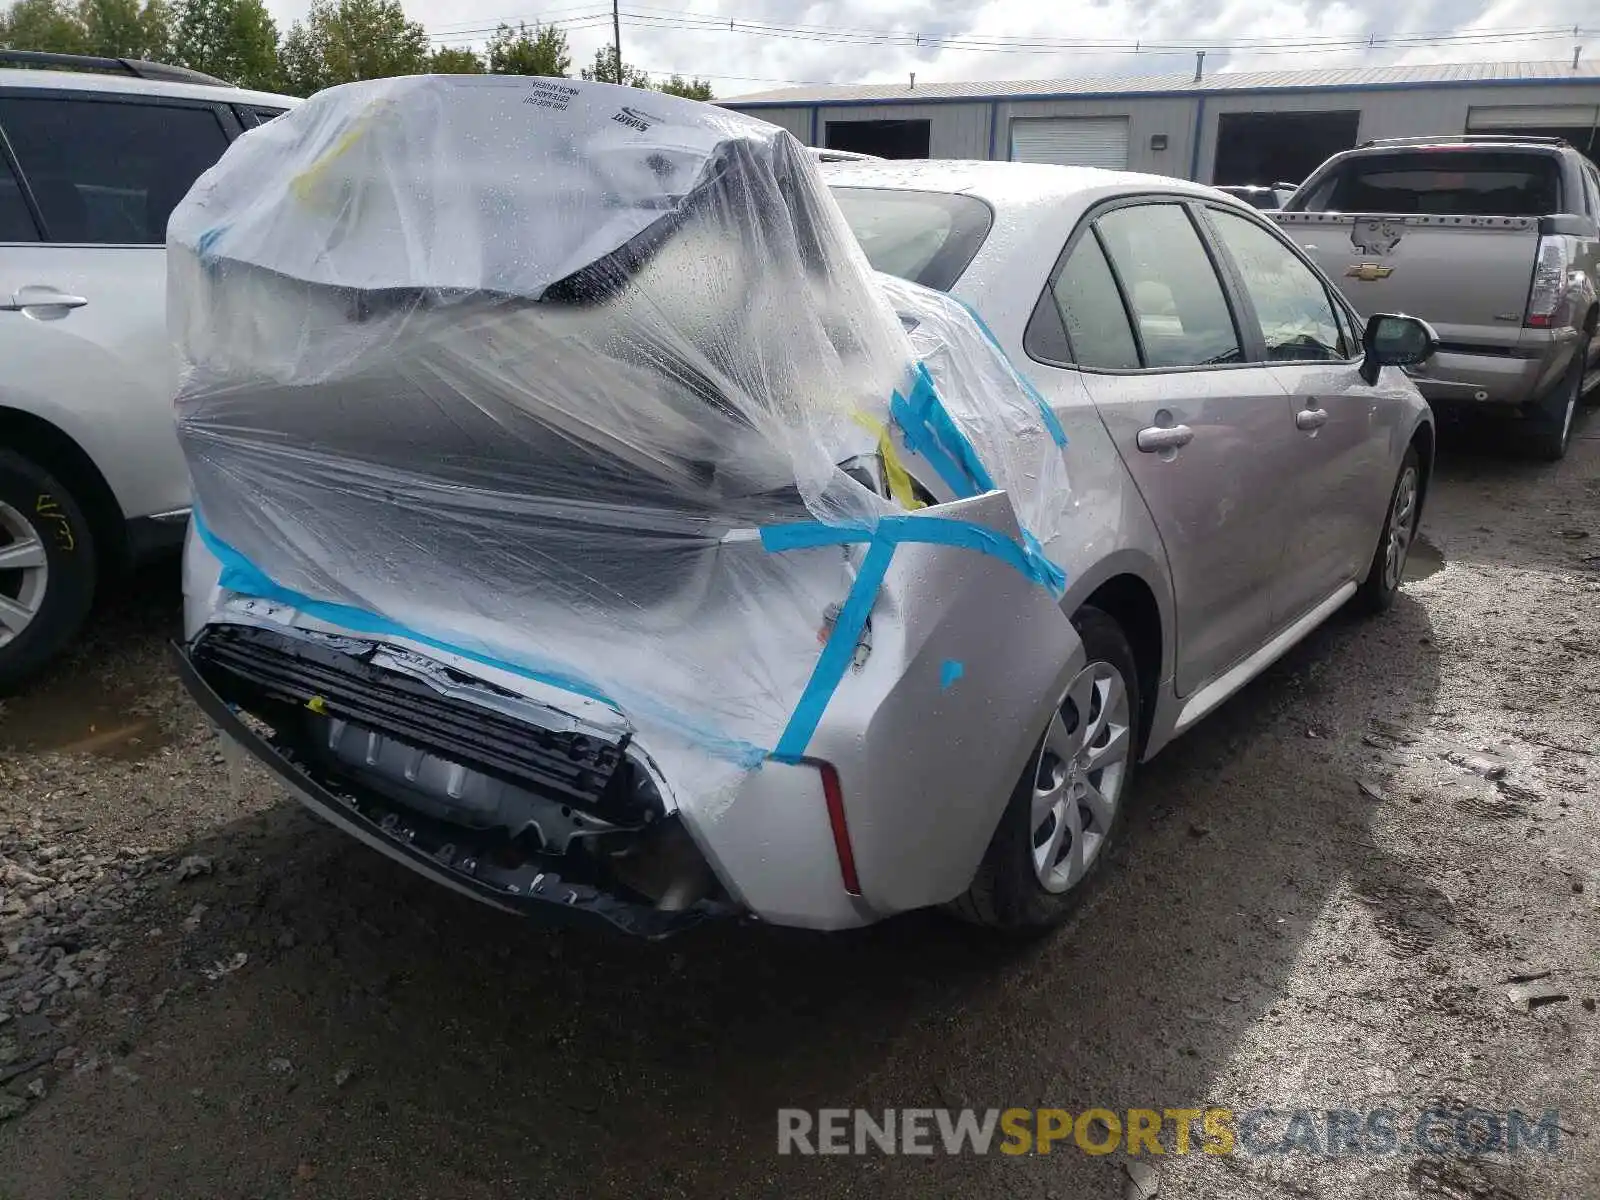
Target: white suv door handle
[(1156, 438), (45, 303), (1311, 418)]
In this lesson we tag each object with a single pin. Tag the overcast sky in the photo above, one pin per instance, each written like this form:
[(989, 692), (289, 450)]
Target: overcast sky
[(660, 36)]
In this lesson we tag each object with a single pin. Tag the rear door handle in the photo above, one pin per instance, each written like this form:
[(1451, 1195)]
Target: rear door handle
[(1157, 438), (1311, 418), (51, 304)]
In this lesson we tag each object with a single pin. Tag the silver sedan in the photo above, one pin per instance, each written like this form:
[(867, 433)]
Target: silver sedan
[(1243, 458)]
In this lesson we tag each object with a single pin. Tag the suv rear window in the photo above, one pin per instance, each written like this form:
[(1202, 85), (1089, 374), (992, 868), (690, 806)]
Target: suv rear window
[(1444, 182), (926, 237), (109, 171)]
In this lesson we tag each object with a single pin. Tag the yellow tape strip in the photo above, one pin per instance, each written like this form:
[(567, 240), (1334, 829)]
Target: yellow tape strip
[(901, 490), (304, 184)]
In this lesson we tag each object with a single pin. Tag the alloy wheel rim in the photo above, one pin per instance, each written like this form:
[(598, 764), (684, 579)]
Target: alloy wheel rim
[(1079, 775), (1402, 525), (24, 573)]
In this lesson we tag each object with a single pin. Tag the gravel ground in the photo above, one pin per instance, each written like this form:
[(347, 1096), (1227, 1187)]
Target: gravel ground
[(1324, 895)]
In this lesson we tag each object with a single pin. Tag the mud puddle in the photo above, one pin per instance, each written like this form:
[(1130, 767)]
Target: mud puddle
[(79, 715), (1425, 559)]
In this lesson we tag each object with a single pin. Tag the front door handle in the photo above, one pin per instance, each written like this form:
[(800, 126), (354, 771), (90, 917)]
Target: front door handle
[(1157, 438), (43, 303), (1311, 418)]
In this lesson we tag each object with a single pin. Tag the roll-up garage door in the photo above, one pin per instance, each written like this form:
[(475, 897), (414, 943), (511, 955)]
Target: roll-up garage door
[(1531, 116), (1071, 141)]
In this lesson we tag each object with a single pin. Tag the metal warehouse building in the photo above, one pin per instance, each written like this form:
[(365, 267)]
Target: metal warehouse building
[(1250, 127)]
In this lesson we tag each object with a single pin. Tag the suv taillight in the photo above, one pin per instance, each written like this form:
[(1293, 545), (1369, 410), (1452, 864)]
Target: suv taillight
[(1549, 283)]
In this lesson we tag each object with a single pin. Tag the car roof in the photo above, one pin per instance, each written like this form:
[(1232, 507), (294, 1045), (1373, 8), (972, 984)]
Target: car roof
[(130, 85), (1036, 206)]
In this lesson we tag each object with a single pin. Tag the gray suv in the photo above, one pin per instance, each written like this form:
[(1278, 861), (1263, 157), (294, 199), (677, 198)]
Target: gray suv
[(94, 155)]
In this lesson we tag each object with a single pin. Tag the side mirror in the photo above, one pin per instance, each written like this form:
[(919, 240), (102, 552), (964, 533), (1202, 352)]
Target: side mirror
[(1395, 341)]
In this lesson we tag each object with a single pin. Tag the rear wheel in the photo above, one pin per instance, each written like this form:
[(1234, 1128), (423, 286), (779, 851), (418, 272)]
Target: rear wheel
[(1550, 424), (1067, 809), (47, 568)]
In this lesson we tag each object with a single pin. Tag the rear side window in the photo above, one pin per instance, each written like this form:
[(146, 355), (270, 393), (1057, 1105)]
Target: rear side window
[(1180, 314), (109, 172), (16, 223), (1086, 296), (1451, 183)]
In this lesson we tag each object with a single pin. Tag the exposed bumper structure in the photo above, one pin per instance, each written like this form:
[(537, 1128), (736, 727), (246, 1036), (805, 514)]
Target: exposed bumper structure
[(522, 888)]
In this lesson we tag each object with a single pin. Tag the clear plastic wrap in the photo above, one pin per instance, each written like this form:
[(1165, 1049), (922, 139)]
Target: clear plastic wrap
[(523, 368)]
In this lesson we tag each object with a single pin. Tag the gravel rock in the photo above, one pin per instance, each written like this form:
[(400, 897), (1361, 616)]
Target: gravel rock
[(191, 867)]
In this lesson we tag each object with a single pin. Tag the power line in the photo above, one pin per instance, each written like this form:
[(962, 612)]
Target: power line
[(582, 17), (689, 23), (1343, 41), (543, 18)]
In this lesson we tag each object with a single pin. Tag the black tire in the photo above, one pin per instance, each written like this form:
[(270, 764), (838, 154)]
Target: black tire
[(1006, 893), (1376, 593), (1549, 427), (39, 502)]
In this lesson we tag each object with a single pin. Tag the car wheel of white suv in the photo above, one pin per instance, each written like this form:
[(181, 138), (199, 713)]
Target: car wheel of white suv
[(47, 568), (1067, 809)]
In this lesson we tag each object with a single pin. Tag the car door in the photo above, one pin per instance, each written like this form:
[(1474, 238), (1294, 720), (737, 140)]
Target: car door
[(1347, 437), (1205, 432), (83, 332)]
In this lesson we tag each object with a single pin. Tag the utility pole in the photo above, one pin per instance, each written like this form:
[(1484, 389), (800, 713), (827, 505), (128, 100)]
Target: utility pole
[(616, 36)]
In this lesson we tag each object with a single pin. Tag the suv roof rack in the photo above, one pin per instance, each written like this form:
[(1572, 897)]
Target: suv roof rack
[(136, 67), (1445, 138)]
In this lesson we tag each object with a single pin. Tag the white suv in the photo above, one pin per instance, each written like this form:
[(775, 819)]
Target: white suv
[(94, 154)]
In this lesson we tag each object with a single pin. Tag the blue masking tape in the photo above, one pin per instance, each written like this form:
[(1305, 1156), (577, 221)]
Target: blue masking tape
[(931, 432), (241, 575), (836, 654), (840, 648), (1052, 423)]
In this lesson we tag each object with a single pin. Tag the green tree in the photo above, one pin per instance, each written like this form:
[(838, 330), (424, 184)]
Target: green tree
[(126, 28), (454, 61), (232, 39), (345, 40), (521, 50), (42, 25), (691, 89), (606, 70)]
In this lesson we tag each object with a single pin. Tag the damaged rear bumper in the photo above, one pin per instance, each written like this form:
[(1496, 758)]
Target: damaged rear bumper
[(533, 887)]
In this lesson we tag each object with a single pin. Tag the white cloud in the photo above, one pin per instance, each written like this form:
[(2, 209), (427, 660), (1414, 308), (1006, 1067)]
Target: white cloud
[(661, 37)]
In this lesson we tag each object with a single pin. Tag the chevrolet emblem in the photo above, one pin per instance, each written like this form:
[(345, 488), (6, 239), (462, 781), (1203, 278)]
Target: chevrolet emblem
[(1367, 272)]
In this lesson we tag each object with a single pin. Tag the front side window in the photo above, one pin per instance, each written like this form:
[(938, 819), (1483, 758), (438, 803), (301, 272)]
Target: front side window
[(109, 172), (1179, 309), (1297, 318)]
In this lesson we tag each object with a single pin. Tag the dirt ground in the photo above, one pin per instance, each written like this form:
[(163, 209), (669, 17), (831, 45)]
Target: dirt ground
[(1326, 892)]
